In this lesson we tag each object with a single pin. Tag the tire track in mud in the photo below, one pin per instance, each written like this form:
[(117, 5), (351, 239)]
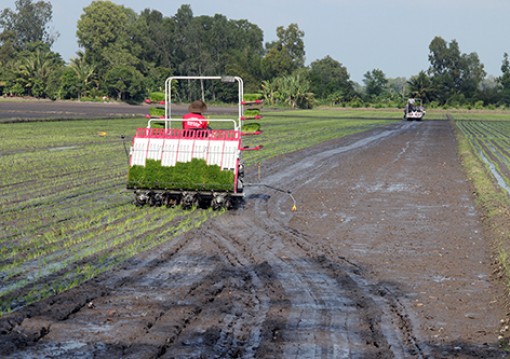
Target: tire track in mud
[(140, 312), (333, 311)]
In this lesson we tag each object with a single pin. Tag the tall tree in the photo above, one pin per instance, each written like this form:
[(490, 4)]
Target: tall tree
[(453, 75), (8, 48), (211, 45), (375, 83), (182, 20), (419, 86), (28, 23), (23, 30), (329, 77), (105, 33), (286, 54), (472, 75), (155, 35), (245, 58), (444, 68), (247, 35), (504, 80)]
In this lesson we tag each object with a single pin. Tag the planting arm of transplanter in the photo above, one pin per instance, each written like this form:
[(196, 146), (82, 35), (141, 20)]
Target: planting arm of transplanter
[(123, 138)]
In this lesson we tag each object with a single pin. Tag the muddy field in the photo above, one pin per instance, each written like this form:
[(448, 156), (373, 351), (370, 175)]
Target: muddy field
[(385, 257)]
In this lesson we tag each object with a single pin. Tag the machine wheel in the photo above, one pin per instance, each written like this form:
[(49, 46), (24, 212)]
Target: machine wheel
[(188, 200), (171, 200), (141, 198), (156, 200), (204, 201), (219, 201), (234, 202)]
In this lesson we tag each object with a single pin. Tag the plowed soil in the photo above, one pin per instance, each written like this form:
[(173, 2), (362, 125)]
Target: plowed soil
[(385, 257)]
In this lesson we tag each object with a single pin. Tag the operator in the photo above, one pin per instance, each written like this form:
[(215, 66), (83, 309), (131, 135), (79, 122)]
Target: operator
[(194, 118), (410, 105)]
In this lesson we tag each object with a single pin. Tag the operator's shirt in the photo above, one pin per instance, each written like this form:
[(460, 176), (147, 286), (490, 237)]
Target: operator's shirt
[(195, 121)]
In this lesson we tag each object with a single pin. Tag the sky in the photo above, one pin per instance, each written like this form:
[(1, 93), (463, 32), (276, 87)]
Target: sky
[(363, 35)]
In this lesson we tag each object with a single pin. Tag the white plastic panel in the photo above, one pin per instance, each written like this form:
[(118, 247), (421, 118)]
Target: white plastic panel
[(139, 151), (169, 151)]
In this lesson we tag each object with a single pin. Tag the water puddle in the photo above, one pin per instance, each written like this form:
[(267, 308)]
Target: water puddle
[(62, 148), (499, 179)]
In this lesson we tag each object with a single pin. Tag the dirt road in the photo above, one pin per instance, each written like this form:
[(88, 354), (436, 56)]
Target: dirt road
[(30, 110), (385, 257), (40, 110)]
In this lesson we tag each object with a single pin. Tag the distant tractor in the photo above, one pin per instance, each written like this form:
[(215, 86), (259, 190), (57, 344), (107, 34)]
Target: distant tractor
[(414, 110), (171, 165)]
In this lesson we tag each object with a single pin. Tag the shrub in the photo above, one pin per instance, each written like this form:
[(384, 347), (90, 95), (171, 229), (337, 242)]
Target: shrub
[(356, 103), (479, 105)]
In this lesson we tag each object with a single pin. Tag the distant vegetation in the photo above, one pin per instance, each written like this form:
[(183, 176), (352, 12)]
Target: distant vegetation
[(126, 56)]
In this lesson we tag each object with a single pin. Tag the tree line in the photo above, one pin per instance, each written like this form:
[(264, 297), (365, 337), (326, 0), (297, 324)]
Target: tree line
[(127, 56)]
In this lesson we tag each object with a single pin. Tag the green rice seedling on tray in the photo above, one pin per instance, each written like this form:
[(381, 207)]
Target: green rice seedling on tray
[(251, 127), (195, 175), (252, 113), (157, 112), (250, 97)]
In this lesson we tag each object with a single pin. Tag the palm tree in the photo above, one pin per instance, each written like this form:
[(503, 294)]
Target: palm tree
[(269, 92), (420, 86), (295, 90), (34, 71), (84, 73)]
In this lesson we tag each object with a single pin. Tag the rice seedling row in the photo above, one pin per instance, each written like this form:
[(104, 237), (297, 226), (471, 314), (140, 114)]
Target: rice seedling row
[(57, 236), (122, 239), (64, 206), (31, 169), (63, 195), (490, 140)]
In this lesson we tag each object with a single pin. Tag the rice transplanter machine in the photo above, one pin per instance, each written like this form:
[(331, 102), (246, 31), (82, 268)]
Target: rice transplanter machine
[(169, 165)]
